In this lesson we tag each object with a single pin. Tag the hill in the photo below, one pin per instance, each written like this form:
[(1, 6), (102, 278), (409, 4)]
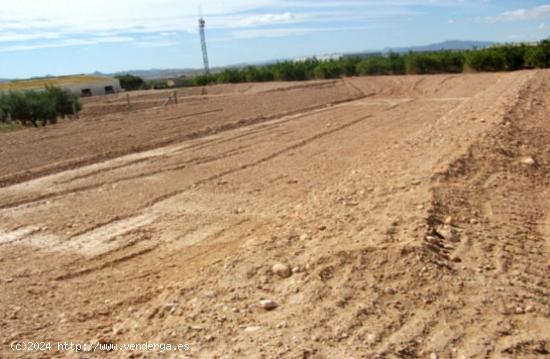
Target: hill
[(446, 45)]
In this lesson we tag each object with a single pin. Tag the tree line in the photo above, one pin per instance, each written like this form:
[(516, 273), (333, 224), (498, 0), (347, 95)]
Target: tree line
[(497, 58), (37, 106), (47, 105)]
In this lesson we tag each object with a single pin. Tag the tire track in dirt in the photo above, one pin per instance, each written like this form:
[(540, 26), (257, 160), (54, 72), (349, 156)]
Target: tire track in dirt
[(14, 178), (143, 175), (185, 164), (496, 201), (176, 118), (348, 222), (106, 264), (258, 162)]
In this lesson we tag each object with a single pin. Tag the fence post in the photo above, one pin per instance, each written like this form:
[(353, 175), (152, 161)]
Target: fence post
[(9, 117), (176, 97), (128, 99), (75, 112)]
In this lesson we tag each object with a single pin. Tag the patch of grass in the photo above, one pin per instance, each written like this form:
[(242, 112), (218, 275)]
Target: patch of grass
[(7, 127)]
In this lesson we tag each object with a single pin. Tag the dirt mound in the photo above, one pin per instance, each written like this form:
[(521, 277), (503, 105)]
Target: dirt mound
[(438, 86)]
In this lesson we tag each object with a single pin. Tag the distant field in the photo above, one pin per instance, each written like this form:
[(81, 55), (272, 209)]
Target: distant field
[(53, 81)]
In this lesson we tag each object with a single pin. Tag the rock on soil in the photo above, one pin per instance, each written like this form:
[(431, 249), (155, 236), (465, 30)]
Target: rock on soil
[(527, 160), (282, 270), (447, 232), (268, 304)]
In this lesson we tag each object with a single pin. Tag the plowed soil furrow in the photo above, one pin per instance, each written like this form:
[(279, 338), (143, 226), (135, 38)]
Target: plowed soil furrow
[(411, 211)]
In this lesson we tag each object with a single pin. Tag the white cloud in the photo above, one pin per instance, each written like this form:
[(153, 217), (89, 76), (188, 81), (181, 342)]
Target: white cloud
[(15, 36), (280, 32), (56, 23), (150, 44), (67, 43), (268, 19), (120, 15), (80, 16), (539, 12)]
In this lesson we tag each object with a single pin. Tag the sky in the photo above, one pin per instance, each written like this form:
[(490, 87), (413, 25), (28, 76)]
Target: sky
[(60, 37)]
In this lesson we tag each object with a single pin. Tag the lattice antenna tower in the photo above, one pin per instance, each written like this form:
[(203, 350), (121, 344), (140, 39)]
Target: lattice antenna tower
[(202, 25)]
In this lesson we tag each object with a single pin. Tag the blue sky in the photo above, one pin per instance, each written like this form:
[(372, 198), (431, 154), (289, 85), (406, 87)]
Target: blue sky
[(39, 37)]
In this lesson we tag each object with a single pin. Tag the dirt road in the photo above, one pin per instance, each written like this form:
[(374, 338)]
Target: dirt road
[(412, 213)]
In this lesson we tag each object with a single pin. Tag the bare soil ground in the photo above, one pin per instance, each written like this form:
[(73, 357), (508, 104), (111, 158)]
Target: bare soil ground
[(412, 212)]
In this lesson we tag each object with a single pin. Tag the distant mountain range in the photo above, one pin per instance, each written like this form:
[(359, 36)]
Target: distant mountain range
[(446, 45), (173, 73)]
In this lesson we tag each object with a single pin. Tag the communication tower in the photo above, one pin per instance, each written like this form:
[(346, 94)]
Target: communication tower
[(202, 24)]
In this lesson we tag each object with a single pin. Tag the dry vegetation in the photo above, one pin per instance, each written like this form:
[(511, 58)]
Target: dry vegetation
[(37, 83)]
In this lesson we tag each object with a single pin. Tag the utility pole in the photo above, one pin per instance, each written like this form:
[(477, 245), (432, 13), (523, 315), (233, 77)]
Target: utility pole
[(202, 24)]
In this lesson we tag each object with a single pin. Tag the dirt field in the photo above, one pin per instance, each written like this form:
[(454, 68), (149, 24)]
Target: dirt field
[(409, 218)]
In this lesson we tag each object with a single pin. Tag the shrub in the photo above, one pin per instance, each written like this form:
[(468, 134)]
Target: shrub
[(130, 82), (328, 70), (451, 61), (538, 56), (290, 71), (423, 63), (349, 65), (204, 79), (155, 84), (396, 63), (34, 106), (40, 107), (230, 76), (513, 55), (486, 60), (63, 100), (374, 65)]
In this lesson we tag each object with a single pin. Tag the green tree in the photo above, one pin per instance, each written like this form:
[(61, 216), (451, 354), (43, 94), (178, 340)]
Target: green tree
[(485, 60), (204, 79), (63, 100), (538, 56), (38, 106), (423, 63), (292, 71), (349, 65), (230, 76), (130, 82), (328, 70), (451, 61), (374, 65), (396, 64), (513, 55)]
